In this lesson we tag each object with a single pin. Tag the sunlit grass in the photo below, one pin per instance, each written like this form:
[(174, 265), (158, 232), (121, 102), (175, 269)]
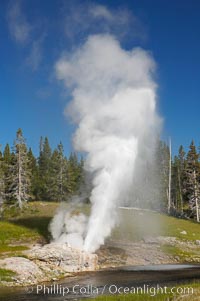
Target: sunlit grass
[(30, 226), (134, 225), (186, 292), (31, 209), (8, 248), (6, 275), (26, 226)]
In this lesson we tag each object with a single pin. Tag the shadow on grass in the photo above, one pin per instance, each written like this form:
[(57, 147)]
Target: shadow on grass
[(37, 223)]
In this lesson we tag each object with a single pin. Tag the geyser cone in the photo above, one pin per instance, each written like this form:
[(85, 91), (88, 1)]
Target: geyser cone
[(114, 105)]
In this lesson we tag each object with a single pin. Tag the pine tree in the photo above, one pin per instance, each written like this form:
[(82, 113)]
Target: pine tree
[(2, 185), (177, 197), (74, 174), (61, 171), (58, 173), (192, 181), (7, 159), (81, 173), (170, 206), (180, 175), (20, 174), (7, 154), (44, 164), (32, 166), (162, 164), (181, 157)]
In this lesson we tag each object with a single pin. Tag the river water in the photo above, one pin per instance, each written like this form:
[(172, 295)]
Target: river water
[(91, 284)]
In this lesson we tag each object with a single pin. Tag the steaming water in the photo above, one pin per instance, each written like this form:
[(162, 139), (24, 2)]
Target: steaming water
[(114, 106)]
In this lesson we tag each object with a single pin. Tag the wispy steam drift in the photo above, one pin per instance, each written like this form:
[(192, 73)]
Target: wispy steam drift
[(114, 105), (68, 227)]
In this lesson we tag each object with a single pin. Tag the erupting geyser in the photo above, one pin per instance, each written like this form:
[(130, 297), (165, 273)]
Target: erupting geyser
[(114, 105)]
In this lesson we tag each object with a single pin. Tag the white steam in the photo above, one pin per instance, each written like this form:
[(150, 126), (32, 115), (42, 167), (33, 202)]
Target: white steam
[(114, 105), (69, 227)]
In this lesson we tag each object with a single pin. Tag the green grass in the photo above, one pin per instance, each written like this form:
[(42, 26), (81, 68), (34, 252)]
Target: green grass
[(168, 297), (31, 209), (8, 248), (135, 225), (26, 226), (20, 228), (190, 293), (133, 297), (183, 255), (6, 275), (173, 227), (10, 232), (30, 225)]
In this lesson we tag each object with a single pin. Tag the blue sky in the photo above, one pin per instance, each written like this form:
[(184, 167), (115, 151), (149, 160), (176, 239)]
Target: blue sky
[(33, 35)]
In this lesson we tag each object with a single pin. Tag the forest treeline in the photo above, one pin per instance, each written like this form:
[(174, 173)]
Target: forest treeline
[(54, 177), (179, 179), (50, 177)]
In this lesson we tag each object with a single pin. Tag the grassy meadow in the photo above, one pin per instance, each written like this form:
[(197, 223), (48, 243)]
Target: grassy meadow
[(20, 229), (133, 225)]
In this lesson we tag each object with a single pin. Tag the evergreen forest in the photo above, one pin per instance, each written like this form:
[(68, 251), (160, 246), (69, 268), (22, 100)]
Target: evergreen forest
[(52, 176)]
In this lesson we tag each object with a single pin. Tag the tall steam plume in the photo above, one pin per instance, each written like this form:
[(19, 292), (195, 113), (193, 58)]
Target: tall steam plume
[(114, 107)]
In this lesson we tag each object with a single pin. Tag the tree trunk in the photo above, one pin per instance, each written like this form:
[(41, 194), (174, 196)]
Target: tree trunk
[(19, 181), (180, 190), (196, 198), (170, 177)]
